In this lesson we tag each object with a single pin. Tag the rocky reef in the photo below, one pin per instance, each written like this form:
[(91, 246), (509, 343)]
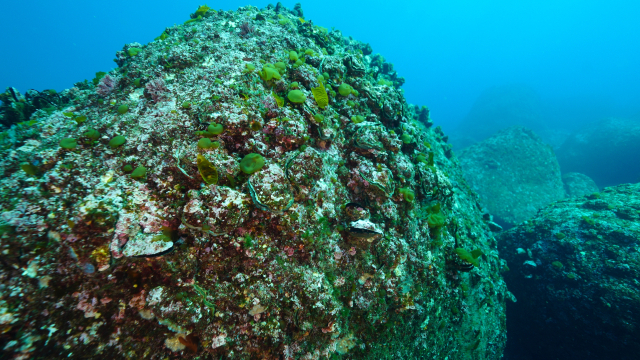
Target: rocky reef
[(514, 172), (607, 151), (249, 185), (574, 268)]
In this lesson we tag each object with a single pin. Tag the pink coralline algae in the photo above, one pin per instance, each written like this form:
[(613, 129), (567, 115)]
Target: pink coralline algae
[(107, 85), (157, 90)]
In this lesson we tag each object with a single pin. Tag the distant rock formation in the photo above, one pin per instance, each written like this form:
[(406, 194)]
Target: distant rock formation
[(496, 109), (607, 151), (514, 173), (577, 185), (574, 269)]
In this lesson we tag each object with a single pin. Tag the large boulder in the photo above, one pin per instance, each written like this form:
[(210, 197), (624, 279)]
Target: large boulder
[(574, 269), (498, 108), (577, 185), (514, 173), (197, 202), (606, 150)]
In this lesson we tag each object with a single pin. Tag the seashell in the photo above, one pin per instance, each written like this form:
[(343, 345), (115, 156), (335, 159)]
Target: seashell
[(364, 229), (270, 190)]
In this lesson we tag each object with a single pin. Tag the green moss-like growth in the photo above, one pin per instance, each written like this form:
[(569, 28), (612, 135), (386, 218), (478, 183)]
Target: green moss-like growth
[(215, 144), (408, 194), (251, 163), (123, 109), (345, 89), (202, 9), (557, 264), (249, 67), (268, 72), (436, 218), (560, 236), (319, 118), (293, 56), (467, 256), (80, 119), (406, 138), (139, 172), (134, 51), (117, 141), (296, 96), (282, 67), (357, 119), (204, 143), (186, 105), (30, 169), (92, 134), (68, 143), (127, 168)]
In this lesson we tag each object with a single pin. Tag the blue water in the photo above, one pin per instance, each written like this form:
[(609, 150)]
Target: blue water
[(581, 57)]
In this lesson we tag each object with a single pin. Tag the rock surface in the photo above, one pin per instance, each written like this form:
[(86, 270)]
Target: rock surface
[(339, 238), (514, 173), (574, 269), (577, 185), (607, 151)]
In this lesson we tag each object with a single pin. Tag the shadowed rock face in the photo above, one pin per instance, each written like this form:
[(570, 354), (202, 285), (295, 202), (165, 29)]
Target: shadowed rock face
[(574, 268), (607, 151), (514, 173), (496, 109), (342, 243)]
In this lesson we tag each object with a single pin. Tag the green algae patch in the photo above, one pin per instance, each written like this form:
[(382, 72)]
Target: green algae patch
[(92, 134), (407, 193), (204, 143), (139, 172), (68, 143), (251, 163), (123, 109), (468, 256), (30, 169), (134, 51), (208, 172), (215, 129), (297, 96), (345, 89), (320, 95), (117, 141)]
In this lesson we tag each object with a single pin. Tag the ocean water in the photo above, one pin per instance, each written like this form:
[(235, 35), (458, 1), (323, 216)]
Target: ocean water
[(567, 70)]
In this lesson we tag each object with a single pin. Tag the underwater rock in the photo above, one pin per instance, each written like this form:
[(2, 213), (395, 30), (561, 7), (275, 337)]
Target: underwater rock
[(576, 185), (607, 151), (255, 227), (574, 268), (147, 245), (514, 173)]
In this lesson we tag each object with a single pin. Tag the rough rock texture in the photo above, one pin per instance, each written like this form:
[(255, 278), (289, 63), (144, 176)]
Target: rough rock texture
[(574, 269), (514, 173), (577, 185), (342, 243), (607, 151), (496, 109)]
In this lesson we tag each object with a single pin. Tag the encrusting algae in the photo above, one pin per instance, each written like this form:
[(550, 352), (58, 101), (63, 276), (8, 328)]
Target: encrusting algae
[(290, 232)]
